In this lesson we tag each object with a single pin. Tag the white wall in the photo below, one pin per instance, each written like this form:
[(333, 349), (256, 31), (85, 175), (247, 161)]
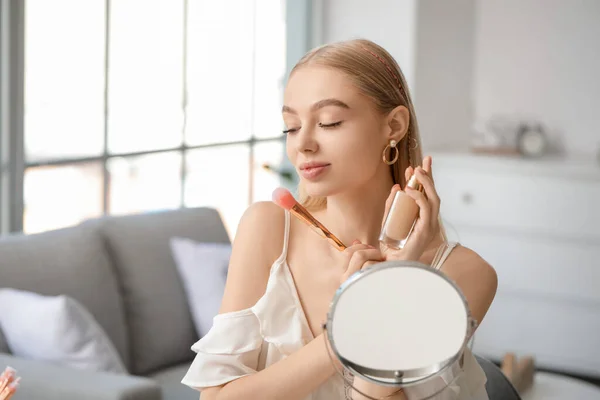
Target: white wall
[(466, 60), (432, 41), (390, 23), (443, 72), (541, 58)]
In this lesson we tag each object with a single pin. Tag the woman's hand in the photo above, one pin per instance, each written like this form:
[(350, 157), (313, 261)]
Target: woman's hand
[(357, 257), (9, 382), (427, 225)]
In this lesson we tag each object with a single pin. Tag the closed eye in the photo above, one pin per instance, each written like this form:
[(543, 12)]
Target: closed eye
[(291, 130), (321, 125), (332, 125)]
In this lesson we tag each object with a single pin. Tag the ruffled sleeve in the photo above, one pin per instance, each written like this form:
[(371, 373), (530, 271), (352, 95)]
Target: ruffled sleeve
[(230, 350)]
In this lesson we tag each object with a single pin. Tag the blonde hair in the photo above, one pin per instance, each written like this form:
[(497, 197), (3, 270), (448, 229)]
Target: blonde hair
[(375, 73)]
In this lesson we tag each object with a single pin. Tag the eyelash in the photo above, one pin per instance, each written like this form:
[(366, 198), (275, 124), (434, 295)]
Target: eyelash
[(321, 125)]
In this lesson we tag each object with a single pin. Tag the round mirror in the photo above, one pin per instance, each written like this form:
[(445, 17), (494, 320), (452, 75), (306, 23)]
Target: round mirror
[(398, 323)]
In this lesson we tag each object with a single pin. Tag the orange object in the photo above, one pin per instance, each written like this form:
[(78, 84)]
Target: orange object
[(401, 218)]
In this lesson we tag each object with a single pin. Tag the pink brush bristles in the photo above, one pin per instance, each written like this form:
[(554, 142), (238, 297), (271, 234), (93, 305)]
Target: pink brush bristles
[(284, 199)]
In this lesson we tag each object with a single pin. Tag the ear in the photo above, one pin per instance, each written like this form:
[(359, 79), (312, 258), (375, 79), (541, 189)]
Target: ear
[(397, 123)]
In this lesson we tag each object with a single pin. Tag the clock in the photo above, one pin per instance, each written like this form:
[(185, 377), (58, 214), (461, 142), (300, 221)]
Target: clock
[(532, 140)]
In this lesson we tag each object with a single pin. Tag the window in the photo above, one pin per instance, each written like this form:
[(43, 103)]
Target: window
[(140, 105)]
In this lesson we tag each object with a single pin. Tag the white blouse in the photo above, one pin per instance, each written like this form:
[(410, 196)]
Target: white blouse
[(246, 341)]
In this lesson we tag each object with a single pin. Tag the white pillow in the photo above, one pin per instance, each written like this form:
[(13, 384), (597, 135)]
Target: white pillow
[(203, 271), (56, 329)]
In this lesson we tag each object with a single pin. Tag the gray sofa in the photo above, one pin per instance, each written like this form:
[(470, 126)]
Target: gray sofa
[(122, 271)]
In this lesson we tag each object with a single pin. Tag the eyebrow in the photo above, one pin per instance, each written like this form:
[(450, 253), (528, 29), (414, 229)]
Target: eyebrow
[(318, 105)]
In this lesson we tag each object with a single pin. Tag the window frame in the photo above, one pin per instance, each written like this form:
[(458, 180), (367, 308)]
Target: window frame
[(12, 155)]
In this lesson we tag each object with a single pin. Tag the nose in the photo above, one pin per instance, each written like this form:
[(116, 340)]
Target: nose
[(306, 142)]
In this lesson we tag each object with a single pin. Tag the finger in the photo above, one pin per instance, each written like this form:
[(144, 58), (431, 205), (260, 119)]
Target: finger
[(429, 188), (408, 173), (390, 200), (425, 179), (424, 206), (420, 237), (427, 163), (356, 246), (369, 263), (360, 257)]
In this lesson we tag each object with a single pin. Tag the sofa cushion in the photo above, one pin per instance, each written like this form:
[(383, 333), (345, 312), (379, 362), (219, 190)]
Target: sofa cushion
[(160, 324), (177, 391), (173, 374), (170, 382), (44, 381), (73, 262), (71, 336), (203, 269)]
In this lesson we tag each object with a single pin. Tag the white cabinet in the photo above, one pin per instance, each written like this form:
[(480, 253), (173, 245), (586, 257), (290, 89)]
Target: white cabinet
[(538, 224)]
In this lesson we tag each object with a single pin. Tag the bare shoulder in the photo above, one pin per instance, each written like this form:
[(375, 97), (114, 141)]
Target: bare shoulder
[(262, 218), (463, 260), (476, 278), (257, 244)]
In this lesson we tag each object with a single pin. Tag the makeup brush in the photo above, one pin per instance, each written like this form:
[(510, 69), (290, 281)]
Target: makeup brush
[(284, 199)]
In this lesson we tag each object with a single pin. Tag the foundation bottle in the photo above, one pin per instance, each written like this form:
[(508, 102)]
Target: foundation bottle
[(401, 218)]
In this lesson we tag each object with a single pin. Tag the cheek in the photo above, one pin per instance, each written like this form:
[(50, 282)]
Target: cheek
[(361, 155), (290, 150)]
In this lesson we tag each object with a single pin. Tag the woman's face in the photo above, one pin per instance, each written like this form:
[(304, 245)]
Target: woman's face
[(335, 137)]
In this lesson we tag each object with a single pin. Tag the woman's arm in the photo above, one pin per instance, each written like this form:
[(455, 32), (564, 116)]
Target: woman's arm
[(294, 377), (375, 391), (475, 278), (258, 243)]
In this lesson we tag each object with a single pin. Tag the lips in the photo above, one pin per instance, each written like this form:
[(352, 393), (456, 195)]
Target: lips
[(311, 170), (312, 164)]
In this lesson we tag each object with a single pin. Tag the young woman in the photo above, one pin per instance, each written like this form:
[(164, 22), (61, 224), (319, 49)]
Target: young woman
[(353, 137)]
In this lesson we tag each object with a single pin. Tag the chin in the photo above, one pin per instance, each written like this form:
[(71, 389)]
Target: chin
[(321, 188)]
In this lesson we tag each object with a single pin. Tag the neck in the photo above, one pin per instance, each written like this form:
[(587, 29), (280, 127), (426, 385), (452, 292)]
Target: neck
[(358, 214)]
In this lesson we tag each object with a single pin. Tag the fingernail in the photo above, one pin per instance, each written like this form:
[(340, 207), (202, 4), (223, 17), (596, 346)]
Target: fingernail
[(356, 241), (371, 247)]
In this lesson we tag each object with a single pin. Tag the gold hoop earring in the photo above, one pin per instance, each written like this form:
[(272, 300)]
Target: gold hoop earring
[(391, 146)]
